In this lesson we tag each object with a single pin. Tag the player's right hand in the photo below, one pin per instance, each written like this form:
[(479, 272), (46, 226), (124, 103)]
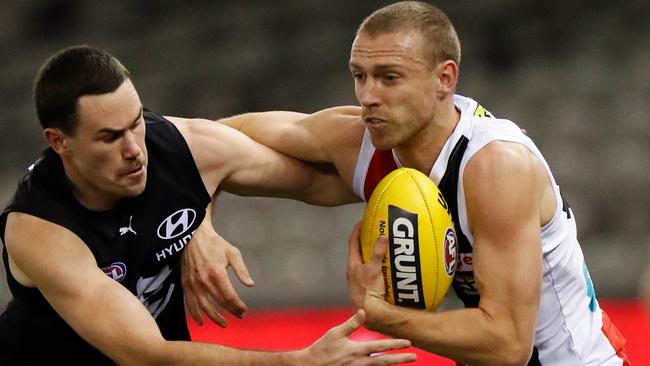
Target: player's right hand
[(204, 275), (336, 349)]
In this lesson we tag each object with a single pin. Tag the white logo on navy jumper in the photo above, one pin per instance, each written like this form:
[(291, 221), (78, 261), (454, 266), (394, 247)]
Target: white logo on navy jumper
[(154, 292), (128, 229), (176, 224)]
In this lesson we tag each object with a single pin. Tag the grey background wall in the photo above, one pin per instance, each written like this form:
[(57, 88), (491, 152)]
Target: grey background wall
[(575, 74)]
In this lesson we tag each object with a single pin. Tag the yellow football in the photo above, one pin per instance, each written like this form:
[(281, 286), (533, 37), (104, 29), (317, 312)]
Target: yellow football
[(422, 247)]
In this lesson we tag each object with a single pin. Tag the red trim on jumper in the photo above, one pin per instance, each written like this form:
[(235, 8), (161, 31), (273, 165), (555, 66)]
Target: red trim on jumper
[(381, 164), (615, 338)]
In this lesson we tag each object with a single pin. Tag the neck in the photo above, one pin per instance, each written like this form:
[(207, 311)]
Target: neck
[(422, 151), (86, 193)]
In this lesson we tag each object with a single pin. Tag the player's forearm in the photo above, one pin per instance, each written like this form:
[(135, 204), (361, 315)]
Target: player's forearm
[(262, 127), (192, 353), (469, 335)]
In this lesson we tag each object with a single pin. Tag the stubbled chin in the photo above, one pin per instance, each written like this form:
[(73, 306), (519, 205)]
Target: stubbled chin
[(380, 143), (136, 189)]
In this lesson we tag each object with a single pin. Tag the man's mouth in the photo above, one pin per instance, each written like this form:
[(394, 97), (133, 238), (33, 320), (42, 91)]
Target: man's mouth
[(374, 122), (135, 172)]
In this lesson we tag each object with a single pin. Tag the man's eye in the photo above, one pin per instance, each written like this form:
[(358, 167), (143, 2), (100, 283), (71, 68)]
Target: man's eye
[(109, 138)]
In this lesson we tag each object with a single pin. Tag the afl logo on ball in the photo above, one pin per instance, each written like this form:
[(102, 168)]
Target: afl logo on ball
[(176, 224), (116, 271), (451, 251)]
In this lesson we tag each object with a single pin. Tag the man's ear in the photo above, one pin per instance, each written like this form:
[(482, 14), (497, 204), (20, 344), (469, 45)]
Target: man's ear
[(57, 140), (447, 77)]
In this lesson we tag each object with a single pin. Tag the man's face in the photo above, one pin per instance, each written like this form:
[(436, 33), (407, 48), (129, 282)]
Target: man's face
[(107, 153), (395, 84)]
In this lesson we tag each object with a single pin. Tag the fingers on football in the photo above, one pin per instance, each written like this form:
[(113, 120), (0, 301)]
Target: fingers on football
[(379, 251), (354, 246)]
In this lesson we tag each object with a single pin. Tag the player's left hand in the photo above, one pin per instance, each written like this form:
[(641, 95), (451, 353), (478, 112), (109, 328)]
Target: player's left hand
[(365, 280), (204, 275)]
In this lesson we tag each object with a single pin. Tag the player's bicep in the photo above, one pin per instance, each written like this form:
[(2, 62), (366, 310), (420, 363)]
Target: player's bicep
[(503, 194), (64, 270)]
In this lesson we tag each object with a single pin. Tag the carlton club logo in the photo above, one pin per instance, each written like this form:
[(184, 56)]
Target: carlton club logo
[(156, 291), (451, 252), (176, 224), (116, 271)]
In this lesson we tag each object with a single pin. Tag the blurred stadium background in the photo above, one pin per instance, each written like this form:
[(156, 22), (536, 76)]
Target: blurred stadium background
[(575, 75)]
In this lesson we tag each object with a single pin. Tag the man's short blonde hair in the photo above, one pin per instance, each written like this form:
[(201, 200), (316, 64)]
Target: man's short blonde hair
[(432, 23)]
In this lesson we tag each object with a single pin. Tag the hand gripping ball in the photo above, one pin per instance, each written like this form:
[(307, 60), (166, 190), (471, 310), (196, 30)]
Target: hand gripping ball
[(422, 247)]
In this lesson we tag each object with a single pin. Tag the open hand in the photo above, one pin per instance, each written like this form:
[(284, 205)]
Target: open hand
[(204, 276), (335, 348)]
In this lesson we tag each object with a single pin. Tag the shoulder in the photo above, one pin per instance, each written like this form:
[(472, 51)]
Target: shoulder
[(499, 157), (217, 149), (22, 225), (201, 134), (32, 242), (43, 192), (502, 172)]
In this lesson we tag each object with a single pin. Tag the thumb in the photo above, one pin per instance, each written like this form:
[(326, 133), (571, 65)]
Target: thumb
[(352, 324)]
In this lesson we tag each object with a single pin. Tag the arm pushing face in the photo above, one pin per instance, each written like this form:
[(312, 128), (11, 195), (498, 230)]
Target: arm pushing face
[(331, 136), (229, 160)]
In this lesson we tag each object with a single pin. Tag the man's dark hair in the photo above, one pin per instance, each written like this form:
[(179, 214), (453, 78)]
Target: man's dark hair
[(439, 35), (69, 74)]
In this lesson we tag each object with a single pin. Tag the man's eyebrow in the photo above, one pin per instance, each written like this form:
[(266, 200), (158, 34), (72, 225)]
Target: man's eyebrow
[(112, 130), (383, 67), (380, 67)]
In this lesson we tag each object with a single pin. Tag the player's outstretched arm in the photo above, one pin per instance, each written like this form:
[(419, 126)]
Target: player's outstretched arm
[(318, 137), (503, 186), (104, 313), (228, 159)]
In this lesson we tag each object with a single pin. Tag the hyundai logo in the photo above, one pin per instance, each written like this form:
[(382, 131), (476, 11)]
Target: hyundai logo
[(176, 224)]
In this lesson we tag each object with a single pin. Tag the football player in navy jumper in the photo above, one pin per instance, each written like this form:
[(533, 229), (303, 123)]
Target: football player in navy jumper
[(95, 231)]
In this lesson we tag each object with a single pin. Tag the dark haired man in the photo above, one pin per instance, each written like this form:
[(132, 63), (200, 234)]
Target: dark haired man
[(94, 234), (522, 276)]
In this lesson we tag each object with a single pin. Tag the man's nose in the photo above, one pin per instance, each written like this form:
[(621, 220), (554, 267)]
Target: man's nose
[(367, 94), (131, 149)]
